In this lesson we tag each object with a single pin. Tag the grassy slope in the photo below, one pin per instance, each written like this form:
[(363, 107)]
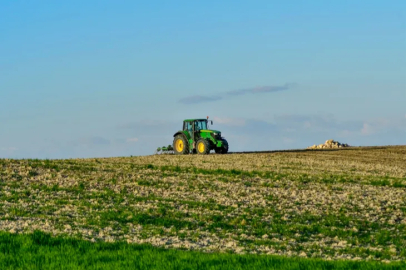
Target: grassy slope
[(347, 204)]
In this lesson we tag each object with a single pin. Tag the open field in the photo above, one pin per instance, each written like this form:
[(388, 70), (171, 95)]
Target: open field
[(345, 204)]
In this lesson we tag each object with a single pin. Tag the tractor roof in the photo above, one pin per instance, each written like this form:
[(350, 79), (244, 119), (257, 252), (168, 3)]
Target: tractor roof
[(191, 120)]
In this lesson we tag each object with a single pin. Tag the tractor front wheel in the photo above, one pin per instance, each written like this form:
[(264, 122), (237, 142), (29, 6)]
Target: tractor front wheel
[(180, 145), (203, 147)]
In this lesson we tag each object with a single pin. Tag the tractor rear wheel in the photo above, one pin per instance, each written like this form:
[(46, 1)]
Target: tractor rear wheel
[(223, 149), (203, 147), (180, 145)]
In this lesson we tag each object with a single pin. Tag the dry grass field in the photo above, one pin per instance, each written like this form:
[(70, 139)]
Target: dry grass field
[(330, 204)]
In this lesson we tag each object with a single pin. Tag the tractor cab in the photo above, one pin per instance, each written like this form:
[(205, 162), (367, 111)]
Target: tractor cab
[(196, 137), (193, 127)]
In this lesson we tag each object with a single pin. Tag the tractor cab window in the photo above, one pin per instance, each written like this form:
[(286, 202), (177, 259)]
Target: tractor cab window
[(188, 126), (199, 125)]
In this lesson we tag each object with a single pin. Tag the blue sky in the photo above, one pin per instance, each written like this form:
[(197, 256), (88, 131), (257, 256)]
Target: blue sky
[(116, 78)]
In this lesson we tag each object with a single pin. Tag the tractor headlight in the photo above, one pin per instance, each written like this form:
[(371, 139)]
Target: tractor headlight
[(216, 135)]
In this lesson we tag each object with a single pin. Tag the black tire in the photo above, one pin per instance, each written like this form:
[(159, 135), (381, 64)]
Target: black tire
[(223, 149), (185, 143), (203, 147)]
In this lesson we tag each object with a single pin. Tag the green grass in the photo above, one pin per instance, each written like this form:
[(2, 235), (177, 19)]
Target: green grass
[(41, 251)]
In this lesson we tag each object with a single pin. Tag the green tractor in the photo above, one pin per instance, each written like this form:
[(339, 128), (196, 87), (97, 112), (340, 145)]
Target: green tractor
[(195, 137)]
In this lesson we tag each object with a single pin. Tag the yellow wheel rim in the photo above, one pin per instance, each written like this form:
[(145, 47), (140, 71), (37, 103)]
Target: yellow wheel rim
[(200, 147), (179, 145)]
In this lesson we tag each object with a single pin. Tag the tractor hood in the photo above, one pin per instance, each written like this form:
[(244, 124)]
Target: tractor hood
[(210, 131)]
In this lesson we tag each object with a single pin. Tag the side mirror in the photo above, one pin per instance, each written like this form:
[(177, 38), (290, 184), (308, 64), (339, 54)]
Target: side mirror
[(211, 121)]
